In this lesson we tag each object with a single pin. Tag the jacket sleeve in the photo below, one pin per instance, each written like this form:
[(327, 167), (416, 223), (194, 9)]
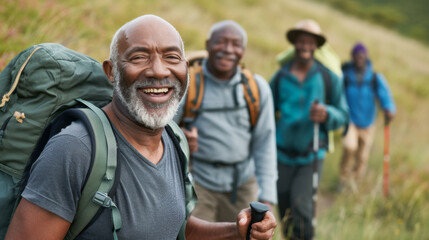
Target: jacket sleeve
[(263, 146), (383, 94), (338, 113)]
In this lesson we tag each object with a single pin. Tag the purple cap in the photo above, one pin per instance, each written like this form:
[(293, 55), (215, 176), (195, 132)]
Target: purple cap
[(359, 47)]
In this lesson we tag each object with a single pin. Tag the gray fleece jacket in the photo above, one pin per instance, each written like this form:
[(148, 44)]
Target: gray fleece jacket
[(227, 137)]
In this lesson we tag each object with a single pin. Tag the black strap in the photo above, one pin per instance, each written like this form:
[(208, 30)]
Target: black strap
[(228, 109), (233, 198), (245, 81), (3, 127), (276, 84), (327, 83), (235, 175), (374, 82)]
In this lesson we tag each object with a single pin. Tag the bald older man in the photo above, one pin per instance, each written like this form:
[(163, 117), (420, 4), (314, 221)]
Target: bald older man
[(149, 70)]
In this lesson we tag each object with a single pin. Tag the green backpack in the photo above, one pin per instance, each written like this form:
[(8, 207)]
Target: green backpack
[(36, 86), (42, 87)]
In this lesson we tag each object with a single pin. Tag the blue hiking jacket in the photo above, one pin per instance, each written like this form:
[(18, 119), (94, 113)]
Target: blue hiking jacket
[(361, 96), (292, 102)]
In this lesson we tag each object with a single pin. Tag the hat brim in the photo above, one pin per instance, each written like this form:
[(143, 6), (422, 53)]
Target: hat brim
[(291, 36)]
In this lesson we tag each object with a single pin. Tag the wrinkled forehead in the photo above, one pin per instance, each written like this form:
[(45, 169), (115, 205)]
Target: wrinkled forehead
[(153, 34)]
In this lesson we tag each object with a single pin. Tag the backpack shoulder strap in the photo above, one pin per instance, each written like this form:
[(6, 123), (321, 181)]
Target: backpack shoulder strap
[(181, 144), (181, 137), (346, 81), (374, 82), (327, 82), (327, 85), (251, 94), (102, 174), (195, 94), (277, 78)]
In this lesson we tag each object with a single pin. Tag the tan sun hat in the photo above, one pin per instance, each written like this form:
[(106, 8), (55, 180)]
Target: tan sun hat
[(306, 26)]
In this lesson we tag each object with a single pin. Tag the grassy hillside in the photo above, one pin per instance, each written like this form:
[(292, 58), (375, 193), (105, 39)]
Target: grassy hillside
[(407, 17), (87, 26)]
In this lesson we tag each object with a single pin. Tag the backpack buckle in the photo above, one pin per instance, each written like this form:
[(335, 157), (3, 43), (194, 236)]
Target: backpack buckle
[(102, 199), (189, 178)]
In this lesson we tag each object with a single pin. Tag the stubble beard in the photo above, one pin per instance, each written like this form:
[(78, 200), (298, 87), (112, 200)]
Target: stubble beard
[(157, 118)]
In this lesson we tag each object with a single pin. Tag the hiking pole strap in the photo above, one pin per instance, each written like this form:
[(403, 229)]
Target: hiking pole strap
[(234, 185), (236, 173)]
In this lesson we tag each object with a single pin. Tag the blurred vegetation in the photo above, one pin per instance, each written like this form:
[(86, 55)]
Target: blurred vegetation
[(407, 17), (362, 212)]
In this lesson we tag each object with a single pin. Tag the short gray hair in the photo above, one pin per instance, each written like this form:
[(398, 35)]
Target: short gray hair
[(222, 24), (114, 44)]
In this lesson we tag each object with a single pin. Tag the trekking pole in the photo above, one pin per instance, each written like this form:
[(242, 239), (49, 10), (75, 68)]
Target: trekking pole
[(315, 172), (386, 159), (258, 212)]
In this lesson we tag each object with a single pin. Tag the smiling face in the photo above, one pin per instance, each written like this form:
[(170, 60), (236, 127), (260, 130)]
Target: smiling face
[(225, 48), (305, 45), (150, 73)]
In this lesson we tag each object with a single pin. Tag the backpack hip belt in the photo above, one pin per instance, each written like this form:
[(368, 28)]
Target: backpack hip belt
[(235, 175)]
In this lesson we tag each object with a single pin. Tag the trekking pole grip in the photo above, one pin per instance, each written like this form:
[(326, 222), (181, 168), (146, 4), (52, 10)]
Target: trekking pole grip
[(258, 211)]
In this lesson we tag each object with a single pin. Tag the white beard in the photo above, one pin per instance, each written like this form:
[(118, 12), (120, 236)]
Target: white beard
[(138, 109)]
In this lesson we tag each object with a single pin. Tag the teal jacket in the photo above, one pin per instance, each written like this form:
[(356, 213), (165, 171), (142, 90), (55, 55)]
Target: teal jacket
[(292, 102)]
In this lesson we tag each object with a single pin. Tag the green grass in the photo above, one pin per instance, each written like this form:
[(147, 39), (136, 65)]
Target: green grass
[(406, 17), (87, 26)]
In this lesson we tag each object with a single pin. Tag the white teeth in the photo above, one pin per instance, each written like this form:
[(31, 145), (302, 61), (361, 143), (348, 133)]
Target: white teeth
[(155, 90)]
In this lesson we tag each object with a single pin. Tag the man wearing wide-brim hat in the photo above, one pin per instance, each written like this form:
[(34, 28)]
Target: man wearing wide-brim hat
[(305, 92)]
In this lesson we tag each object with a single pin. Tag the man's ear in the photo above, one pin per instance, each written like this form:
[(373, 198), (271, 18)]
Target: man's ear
[(108, 69), (207, 44)]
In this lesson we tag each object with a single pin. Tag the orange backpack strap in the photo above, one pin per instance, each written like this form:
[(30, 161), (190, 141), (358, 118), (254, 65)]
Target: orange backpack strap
[(251, 94), (195, 93)]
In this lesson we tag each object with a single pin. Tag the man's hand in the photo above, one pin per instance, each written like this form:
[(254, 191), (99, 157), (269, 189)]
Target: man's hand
[(260, 230), (318, 113), (192, 137), (388, 116)]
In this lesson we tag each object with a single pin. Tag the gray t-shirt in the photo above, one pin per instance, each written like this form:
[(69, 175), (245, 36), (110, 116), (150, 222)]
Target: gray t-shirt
[(150, 197)]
